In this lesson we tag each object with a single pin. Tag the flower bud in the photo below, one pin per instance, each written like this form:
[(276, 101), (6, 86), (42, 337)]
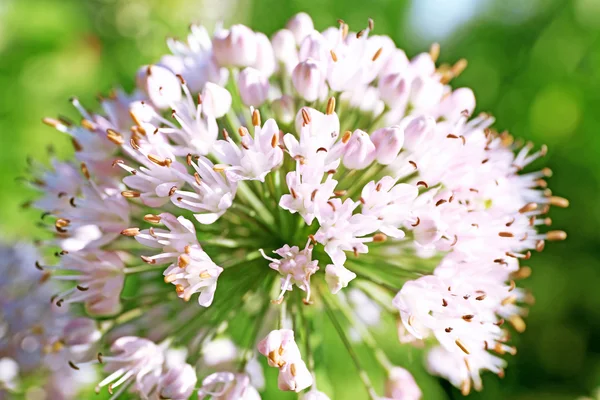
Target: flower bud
[(301, 25), (416, 130), (160, 85), (253, 86), (401, 385), (423, 64), (314, 394), (235, 47), (388, 142), (285, 49), (178, 382), (425, 92), (315, 46), (359, 152), (308, 80), (396, 63), (460, 100), (394, 90), (284, 109), (265, 56), (284, 45), (338, 277), (216, 100), (80, 331)]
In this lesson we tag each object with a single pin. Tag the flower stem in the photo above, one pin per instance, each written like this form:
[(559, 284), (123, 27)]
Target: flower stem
[(364, 377)]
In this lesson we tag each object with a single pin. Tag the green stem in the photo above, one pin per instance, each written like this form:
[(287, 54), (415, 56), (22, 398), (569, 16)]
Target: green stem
[(364, 377)]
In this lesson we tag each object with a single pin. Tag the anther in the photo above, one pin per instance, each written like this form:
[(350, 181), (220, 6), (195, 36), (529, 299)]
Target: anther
[(346, 137), (506, 234), (256, 118), (72, 365), (379, 237), (305, 116), (434, 51), (556, 235), (377, 54), (527, 208), (423, 183), (130, 231), (559, 201), (461, 346), (85, 171), (274, 140), (330, 106), (130, 194), (115, 137), (333, 55), (172, 191)]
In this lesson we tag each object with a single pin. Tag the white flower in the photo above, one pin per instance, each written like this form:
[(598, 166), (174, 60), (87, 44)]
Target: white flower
[(212, 193), (338, 277), (282, 352), (296, 266), (177, 382), (257, 157), (195, 272), (401, 385), (100, 278), (227, 386), (133, 359)]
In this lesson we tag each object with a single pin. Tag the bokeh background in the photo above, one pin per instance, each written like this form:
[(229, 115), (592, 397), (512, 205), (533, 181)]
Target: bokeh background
[(534, 64)]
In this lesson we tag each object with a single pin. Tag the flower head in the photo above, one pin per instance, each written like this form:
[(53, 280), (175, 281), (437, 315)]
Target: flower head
[(245, 170)]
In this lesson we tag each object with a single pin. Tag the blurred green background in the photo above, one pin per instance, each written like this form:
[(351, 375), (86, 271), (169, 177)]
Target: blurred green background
[(534, 64)]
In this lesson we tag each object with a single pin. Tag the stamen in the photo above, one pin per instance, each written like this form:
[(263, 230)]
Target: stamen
[(556, 235), (154, 219), (377, 54), (256, 118), (333, 55), (559, 201), (330, 106), (434, 51), (131, 231), (461, 346), (130, 194), (115, 137)]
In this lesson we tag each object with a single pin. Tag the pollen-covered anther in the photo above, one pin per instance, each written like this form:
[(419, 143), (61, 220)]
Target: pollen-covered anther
[(153, 219), (434, 51), (115, 137), (506, 234), (346, 137), (163, 162), (377, 54), (330, 106), (130, 194), (305, 117), (130, 232), (219, 167), (509, 300), (379, 238), (183, 261), (528, 207), (556, 235), (462, 346), (85, 171), (256, 120), (148, 260), (333, 55), (559, 201)]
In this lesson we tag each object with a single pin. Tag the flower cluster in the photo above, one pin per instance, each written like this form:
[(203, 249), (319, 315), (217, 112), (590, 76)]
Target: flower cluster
[(38, 340), (328, 157)]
